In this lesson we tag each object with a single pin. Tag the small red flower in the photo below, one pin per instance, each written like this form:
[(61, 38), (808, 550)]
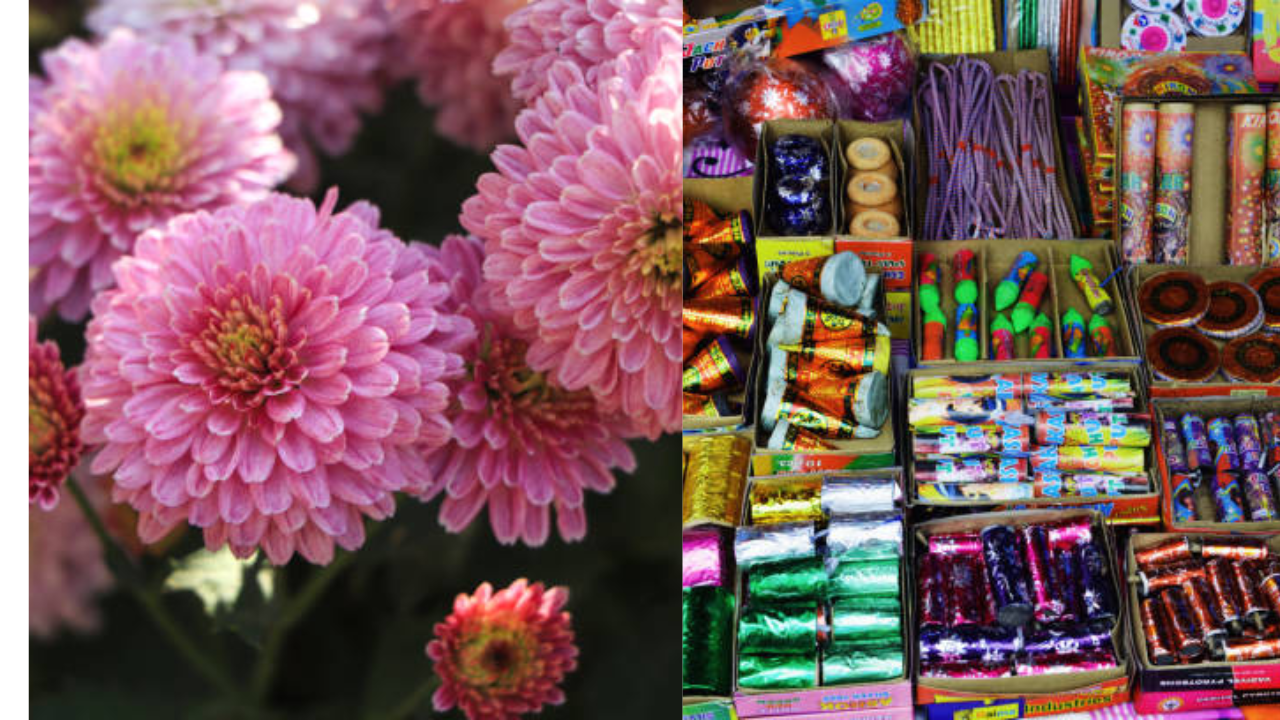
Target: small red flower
[(53, 427), (501, 655)]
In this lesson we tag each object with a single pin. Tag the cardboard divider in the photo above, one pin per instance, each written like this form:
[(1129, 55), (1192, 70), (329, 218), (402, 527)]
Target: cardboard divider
[(847, 131), (1059, 692), (1199, 686), (725, 196), (823, 700), (1206, 408), (946, 252), (1142, 330), (994, 259), (1210, 170), (1128, 509), (1067, 293), (877, 452), (1006, 62), (822, 130)]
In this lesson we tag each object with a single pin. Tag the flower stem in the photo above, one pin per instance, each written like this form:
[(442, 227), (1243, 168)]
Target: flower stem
[(293, 612), (415, 699), (127, 575)]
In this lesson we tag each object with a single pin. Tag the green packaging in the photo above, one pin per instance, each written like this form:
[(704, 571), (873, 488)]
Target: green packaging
[(781, 582), (779, 630), (777, 672), (707, 640), (859, 579), (845, 668)]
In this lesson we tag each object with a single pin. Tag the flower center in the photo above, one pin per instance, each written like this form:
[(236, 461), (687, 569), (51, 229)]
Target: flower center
[(496, 656), (246, 346), (42, 427), (518, 392), (665, 250), (138, 149)]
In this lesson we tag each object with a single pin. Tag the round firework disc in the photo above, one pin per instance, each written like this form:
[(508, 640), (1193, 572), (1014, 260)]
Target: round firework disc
[(1173, 299), (1234, 310), (1155, 6), (1252, 359), (1154, 32), (1182, 355), (1267, 285), (1214, 18)]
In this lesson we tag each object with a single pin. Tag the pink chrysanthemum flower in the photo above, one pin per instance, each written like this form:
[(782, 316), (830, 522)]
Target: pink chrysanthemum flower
[(325, 58), (449, 46), (502, 655), (588, 33), (582, 229), (269, 373), (53, 421), (127, 135), (66, 567), (521, 444)]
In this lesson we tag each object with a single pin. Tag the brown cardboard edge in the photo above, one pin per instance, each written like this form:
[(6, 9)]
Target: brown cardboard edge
[(989, 368), (1206, 407), (903, 586), (1035, 685)]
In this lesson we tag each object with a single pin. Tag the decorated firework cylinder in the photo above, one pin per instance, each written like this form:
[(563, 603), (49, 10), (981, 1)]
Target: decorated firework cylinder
[(1271, 188), (1012, 383), (1111, 683), (1137, 178), (1246, 153), (1219, 683), (1199, 513), (1175, 132)]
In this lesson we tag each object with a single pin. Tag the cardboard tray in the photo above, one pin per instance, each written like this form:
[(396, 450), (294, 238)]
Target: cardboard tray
[(1111, 16), (724, 196), (1206, 408), (821, 701), (1041, 695), (877, 452), (1004, 63), (1201, 685), (994, 258), (1130, 509), (1210, 170), (1218, 386), (891, 257)]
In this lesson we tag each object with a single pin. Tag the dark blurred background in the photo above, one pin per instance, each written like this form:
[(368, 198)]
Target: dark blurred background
[(361, 651)]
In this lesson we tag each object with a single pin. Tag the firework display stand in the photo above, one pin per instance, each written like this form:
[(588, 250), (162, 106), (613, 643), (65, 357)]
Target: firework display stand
[(981, 360)]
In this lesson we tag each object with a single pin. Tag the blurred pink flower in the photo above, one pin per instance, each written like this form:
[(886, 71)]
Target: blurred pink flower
[(124, 136), (582, 231), (588, 33), (270, 373), (54, 412), (521, 444), (66, 570), (449, 46), (325, 58), (502, 655)]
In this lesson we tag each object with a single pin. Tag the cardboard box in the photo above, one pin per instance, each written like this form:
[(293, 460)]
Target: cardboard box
[(1112, 14), (1003, 63), (1219, 386), (1044, 694), (1200, 686), (1210, 171), (863, 701), (1129, 509), (1107, 74), (724, 196), (869, 453), (889, 257), (811, 25), (994, 257), (1207, 408)]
